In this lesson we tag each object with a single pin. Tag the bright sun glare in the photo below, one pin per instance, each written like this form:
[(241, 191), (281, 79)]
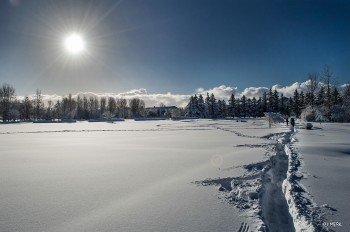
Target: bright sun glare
[(74, 43)]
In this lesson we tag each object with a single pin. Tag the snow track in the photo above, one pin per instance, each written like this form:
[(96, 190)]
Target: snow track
[(258, 193), (275, 212)]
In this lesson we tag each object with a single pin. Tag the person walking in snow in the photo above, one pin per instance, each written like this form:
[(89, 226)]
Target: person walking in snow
[(292, 122), (287, 121)]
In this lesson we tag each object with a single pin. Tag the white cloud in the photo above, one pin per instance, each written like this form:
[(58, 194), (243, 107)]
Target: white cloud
[(135, 92), (288, 91), (254, 92), (220, 92)]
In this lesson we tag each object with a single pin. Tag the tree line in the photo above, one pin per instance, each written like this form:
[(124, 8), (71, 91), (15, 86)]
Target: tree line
[(12, 109), (322, 101)]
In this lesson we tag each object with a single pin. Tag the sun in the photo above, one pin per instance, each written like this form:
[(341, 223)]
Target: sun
[(74, 43)]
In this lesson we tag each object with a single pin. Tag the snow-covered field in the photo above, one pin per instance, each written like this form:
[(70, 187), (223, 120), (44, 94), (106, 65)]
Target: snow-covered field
[(190, 175)]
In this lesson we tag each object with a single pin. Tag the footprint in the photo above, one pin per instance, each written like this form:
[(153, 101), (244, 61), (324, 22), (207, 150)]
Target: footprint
[(244, 227)]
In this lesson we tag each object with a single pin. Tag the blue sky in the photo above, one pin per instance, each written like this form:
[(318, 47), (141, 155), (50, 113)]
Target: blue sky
[(173, 46)]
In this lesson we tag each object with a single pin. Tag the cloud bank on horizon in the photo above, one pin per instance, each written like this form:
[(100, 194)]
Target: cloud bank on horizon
[(181, 100)]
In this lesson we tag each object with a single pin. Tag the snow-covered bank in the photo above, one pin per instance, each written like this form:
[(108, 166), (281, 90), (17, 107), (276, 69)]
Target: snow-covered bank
[(299, 202), (318, 177)]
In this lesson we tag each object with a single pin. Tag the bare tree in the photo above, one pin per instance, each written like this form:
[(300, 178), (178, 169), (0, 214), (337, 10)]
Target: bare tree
[(58, 110), (137, 107), (49, 110), (329, 82), (112, 106), (96, 108), (27, 108), (80, 110), (7, 97), (103, 105), (38, 104), (69, 107), (93, 107), (121, 105), (86, 108)]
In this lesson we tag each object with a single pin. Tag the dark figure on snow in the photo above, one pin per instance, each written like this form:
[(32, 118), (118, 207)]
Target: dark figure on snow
[(287, 121), (292, 122)]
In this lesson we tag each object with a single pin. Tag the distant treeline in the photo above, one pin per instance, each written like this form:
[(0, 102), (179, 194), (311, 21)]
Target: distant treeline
[(322, 101), (68, 108)]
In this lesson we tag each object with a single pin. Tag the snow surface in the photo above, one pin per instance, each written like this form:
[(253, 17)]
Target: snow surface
[(324, 174), (188, 175), (123, 176)]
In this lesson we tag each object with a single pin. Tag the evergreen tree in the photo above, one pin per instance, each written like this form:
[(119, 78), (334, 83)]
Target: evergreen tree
[(260, 107), (346, 102), (220, 113), (213, 106), (328, 81), (221, 109), (249, 108), (207, 105), (320, 97), (189, 107), (238, 108), (232, 106), (302, 100), (336, 98), (224, 108), (271, 101), (296, 105), (201, 106), (346, 95), (275, 101), (264, 102), (328, 98), (243, 106), (282, 105), (254, 107), (290, 106), (192, 107), (195, 107)]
